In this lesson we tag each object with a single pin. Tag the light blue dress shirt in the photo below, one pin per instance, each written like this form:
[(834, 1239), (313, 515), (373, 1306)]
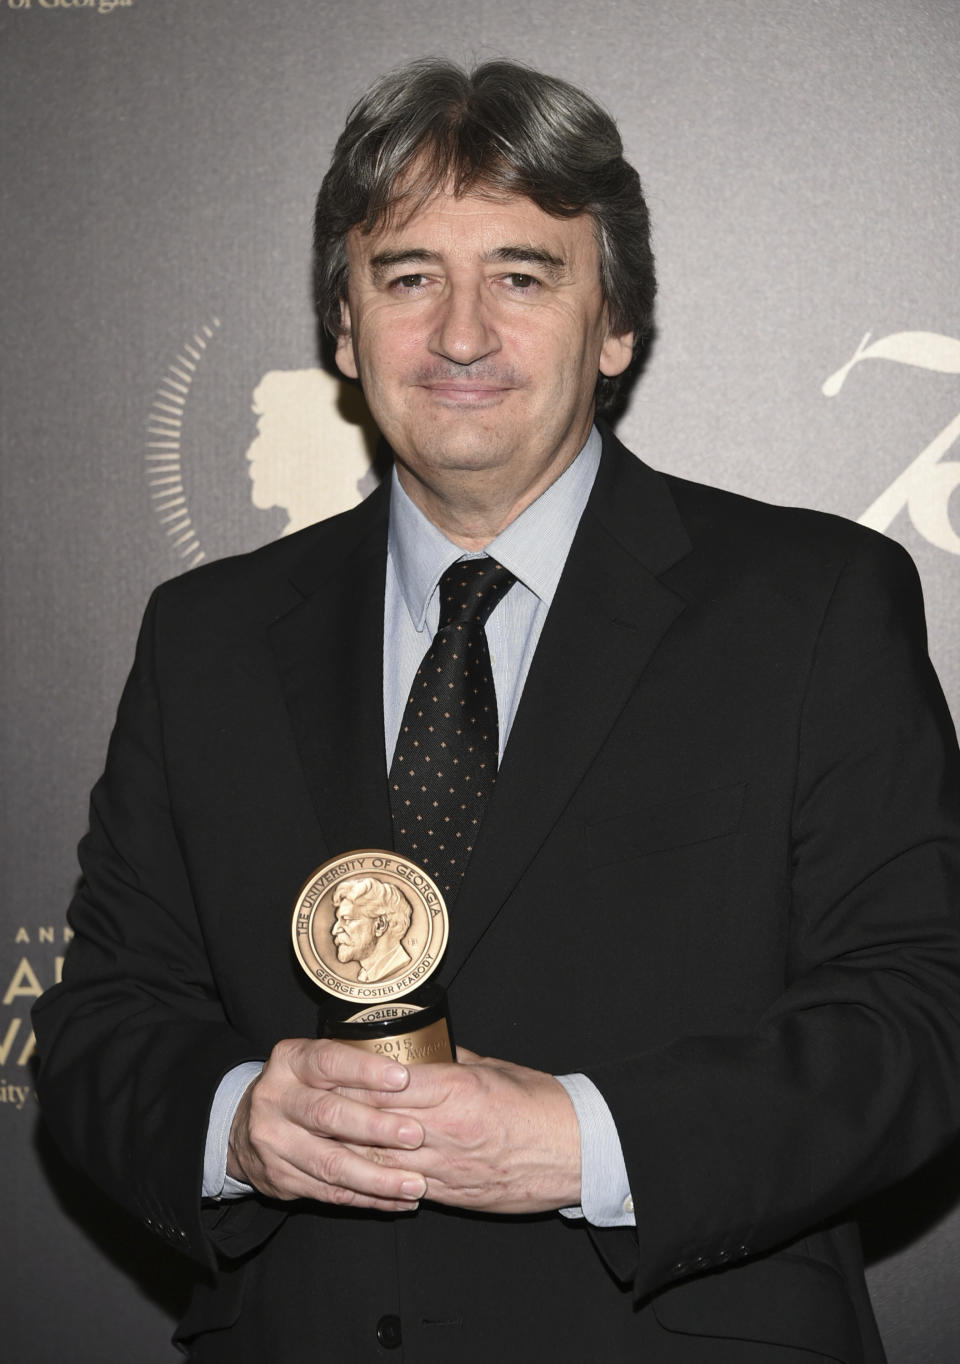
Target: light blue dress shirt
[(534, 547)]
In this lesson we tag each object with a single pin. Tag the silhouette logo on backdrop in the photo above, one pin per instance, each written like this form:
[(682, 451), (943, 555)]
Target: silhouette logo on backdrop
[(305, 458), (311, 455), (926, 485)]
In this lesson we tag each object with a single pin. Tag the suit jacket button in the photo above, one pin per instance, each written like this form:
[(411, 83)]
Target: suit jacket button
[(679, 1268), (388, 1331)]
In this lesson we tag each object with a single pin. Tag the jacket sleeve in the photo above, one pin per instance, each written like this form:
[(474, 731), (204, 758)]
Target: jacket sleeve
[(847, 1082), (134, 1041)]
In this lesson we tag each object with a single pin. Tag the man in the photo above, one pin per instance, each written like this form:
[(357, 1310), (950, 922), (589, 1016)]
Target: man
[(718, 734), (372, 918)]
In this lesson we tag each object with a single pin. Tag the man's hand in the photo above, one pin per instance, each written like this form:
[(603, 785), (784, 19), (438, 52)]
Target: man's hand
[(298, 1133), (497, 1137)]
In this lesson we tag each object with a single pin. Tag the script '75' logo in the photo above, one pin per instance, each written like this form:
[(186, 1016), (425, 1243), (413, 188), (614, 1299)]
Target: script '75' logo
[(925, 486)]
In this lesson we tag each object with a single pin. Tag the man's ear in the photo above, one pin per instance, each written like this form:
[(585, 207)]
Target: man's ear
[(616, 353), (346, 360)]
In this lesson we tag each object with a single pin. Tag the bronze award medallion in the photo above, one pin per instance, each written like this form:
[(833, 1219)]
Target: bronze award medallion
[(370, 928)]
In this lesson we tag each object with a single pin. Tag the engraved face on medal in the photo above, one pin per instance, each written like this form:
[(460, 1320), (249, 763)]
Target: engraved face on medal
[(369, 926)]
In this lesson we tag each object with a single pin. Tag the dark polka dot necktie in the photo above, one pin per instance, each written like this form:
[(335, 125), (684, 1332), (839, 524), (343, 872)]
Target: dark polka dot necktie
[(445, 762)]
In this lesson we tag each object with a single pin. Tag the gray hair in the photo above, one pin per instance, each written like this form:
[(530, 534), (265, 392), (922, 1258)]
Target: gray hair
[(375, 899), (502, 129)]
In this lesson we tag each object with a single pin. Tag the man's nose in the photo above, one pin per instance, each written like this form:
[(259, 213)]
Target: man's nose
[(464, 331)]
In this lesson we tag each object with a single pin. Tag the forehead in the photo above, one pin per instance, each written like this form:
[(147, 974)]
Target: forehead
[(478, 224)]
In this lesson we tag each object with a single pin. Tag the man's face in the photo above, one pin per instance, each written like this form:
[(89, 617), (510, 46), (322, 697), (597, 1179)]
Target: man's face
[(477, 329), (354, 933)]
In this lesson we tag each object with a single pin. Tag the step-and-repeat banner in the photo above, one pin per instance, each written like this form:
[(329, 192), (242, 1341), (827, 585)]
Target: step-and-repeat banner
[(163, 405)]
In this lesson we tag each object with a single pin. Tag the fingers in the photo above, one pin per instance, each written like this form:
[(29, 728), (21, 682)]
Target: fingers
[(297, 1134), (323, 1063), (297, 1164), (426, 1087), (331, 1113), (333, 1090)]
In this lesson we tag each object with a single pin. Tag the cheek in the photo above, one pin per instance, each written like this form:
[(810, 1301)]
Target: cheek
[(388, 342), (557, 345)]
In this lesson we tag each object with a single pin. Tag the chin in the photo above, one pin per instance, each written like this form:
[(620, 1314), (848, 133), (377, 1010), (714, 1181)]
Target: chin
[(470, 451)]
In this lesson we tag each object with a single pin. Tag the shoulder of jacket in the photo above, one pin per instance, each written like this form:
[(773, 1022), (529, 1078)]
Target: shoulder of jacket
[(777, 532)]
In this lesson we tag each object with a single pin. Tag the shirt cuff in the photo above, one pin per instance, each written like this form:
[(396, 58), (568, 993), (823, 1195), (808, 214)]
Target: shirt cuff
[(605, 1199), (216, 1182)]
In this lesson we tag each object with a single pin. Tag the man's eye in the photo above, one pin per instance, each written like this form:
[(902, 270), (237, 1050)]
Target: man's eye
[(407, 282), (522, 281)]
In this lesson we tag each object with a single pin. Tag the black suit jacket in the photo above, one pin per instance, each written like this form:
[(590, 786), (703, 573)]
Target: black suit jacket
[(719, 874)]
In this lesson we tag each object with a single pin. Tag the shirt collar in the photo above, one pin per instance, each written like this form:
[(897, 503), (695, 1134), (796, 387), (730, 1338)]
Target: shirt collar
[(534, 547)]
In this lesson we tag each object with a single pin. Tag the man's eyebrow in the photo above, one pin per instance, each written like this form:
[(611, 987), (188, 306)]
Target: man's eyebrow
[(523, 253), (382, 261)]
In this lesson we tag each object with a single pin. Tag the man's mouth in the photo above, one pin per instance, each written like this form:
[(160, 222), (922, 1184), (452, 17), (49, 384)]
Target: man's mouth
[(470, 385), (466, 391)]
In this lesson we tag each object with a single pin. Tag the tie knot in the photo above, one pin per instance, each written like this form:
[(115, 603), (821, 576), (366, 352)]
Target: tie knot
[(471, 588)]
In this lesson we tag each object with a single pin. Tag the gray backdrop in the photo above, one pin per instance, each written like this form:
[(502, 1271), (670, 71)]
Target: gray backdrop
[(160, 160)]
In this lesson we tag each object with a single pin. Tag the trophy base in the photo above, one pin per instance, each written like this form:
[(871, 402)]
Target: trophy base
[(413, 1034)]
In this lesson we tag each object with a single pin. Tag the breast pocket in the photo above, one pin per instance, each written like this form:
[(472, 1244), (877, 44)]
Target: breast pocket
[(673, 824), (654, 881)]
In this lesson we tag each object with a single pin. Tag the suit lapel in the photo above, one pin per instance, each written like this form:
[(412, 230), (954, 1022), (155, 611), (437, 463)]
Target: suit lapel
[(606, 621), (329, 654)]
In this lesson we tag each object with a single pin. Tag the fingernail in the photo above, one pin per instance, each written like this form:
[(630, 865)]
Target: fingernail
[(414, 1188), (395, 1077), (409, 1136)]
